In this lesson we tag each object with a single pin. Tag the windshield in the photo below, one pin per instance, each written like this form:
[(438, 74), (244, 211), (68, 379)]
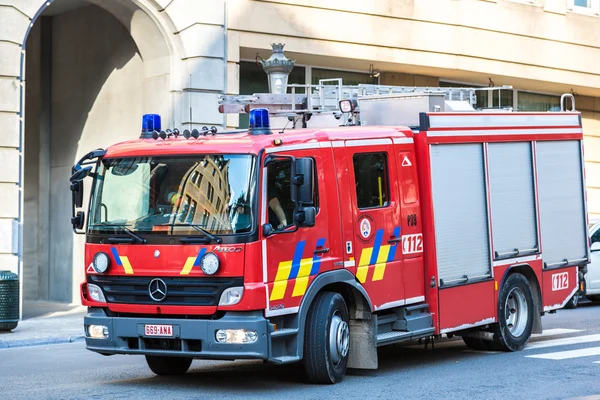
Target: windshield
[(174, 195)]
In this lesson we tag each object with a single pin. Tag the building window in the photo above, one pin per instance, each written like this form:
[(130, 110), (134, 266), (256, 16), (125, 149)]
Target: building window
[(371, 175), (537, 102), (218, 204), (194, 177), (205, 218), (585, 6), (210, 194)]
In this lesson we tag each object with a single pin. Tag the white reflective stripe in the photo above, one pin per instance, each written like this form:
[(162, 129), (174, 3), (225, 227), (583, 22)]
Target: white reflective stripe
[(325, 145), (349, 263), (367, 142), (517, 260), (503, 119), (561, 305), (402, 140), (283, 311), (263, 218), (391, 304), (504, 132), (338, 143), (563, 355), (398, 303), (264, 260), (301, 146), (415, 300), (467, 326)]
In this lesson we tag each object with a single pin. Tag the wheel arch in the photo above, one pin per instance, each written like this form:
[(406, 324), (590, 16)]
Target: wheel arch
[(527, 271), (339, 281)]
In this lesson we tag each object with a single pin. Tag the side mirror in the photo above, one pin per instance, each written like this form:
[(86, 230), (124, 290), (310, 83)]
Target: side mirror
[(302, 180), (77, 189), (305, 216), (78, 221), (80, 174), (595, 246), (267, 230)]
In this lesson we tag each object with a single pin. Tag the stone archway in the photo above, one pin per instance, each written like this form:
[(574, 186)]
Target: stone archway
[(172, 57), (92, 69)]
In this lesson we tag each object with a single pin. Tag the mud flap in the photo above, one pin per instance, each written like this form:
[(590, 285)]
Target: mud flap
[(363, 349)]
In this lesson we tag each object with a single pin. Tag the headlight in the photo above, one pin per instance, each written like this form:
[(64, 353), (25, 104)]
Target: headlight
[(209, 263), (97, 331), (236, 336), (101, 262), (95, 293), (231, 296)]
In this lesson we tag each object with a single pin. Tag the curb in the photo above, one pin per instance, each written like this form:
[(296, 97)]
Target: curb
[(40, 341)]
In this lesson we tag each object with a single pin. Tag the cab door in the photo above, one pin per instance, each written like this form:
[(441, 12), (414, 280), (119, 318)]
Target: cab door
[(293, 256), (377, 220)]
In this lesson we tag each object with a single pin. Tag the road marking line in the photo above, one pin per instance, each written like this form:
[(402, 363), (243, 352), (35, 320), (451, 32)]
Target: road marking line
[(563, 355), (555, 332), (563, 341)]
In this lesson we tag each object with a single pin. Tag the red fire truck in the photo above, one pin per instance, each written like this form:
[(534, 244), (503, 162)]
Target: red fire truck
[(368, 217)]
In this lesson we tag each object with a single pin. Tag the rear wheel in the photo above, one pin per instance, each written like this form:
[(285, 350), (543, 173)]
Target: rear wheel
[(477, 343), (327, 339), (515, 314), (168, 365)]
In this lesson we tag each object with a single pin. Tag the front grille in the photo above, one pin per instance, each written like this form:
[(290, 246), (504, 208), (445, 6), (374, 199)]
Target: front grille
[(180, 291)]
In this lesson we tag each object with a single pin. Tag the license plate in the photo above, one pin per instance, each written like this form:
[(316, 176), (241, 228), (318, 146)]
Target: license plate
[(158, 330)]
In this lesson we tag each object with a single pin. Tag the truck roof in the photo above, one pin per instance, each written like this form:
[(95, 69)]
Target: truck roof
[(246, 143)]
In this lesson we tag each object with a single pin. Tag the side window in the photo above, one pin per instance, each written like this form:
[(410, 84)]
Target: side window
[(371, 174)]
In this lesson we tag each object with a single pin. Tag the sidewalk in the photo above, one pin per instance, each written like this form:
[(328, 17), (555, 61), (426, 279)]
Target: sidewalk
[(42, 324)]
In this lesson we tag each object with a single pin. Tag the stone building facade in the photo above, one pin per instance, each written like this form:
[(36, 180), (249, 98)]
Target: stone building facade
[(78, 74)]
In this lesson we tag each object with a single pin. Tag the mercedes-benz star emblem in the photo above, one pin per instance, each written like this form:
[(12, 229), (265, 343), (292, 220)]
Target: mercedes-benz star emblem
[(157, 289)]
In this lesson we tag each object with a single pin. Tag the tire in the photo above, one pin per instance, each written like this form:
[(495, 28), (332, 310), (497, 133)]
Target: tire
[(168, 365), (327, 339), (515, 314), (478, 344), (8, 326), (573, 301)]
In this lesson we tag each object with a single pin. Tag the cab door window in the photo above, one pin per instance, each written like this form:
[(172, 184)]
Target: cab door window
[(371, 174), (279, 201)]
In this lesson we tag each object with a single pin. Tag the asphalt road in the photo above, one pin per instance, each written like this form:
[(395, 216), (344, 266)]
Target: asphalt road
[(450, 371)]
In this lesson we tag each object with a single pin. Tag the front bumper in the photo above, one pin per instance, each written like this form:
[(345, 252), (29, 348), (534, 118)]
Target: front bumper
[(191, 337)]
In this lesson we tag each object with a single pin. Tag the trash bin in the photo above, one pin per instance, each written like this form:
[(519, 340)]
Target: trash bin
[(9, 301)]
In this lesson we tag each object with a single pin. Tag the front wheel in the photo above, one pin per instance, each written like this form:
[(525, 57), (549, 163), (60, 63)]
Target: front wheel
[(327, 339), (168, 365), (515, 314)]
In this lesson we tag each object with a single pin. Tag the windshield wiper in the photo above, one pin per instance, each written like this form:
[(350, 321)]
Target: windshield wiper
[(199, 228), (123, 228)]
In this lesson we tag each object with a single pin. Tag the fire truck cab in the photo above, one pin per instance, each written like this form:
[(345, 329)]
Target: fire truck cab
[(418, 217)]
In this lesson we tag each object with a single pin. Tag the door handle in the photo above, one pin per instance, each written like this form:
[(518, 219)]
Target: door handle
[(322, 251), (394, 241)]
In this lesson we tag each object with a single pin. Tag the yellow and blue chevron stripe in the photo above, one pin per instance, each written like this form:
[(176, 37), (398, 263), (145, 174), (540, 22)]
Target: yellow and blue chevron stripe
[(300, 269), (192, 262), (122, 261), (378, 256)]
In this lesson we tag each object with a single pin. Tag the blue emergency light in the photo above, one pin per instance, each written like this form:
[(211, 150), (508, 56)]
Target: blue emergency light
[(259, 122), (150, 123)]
